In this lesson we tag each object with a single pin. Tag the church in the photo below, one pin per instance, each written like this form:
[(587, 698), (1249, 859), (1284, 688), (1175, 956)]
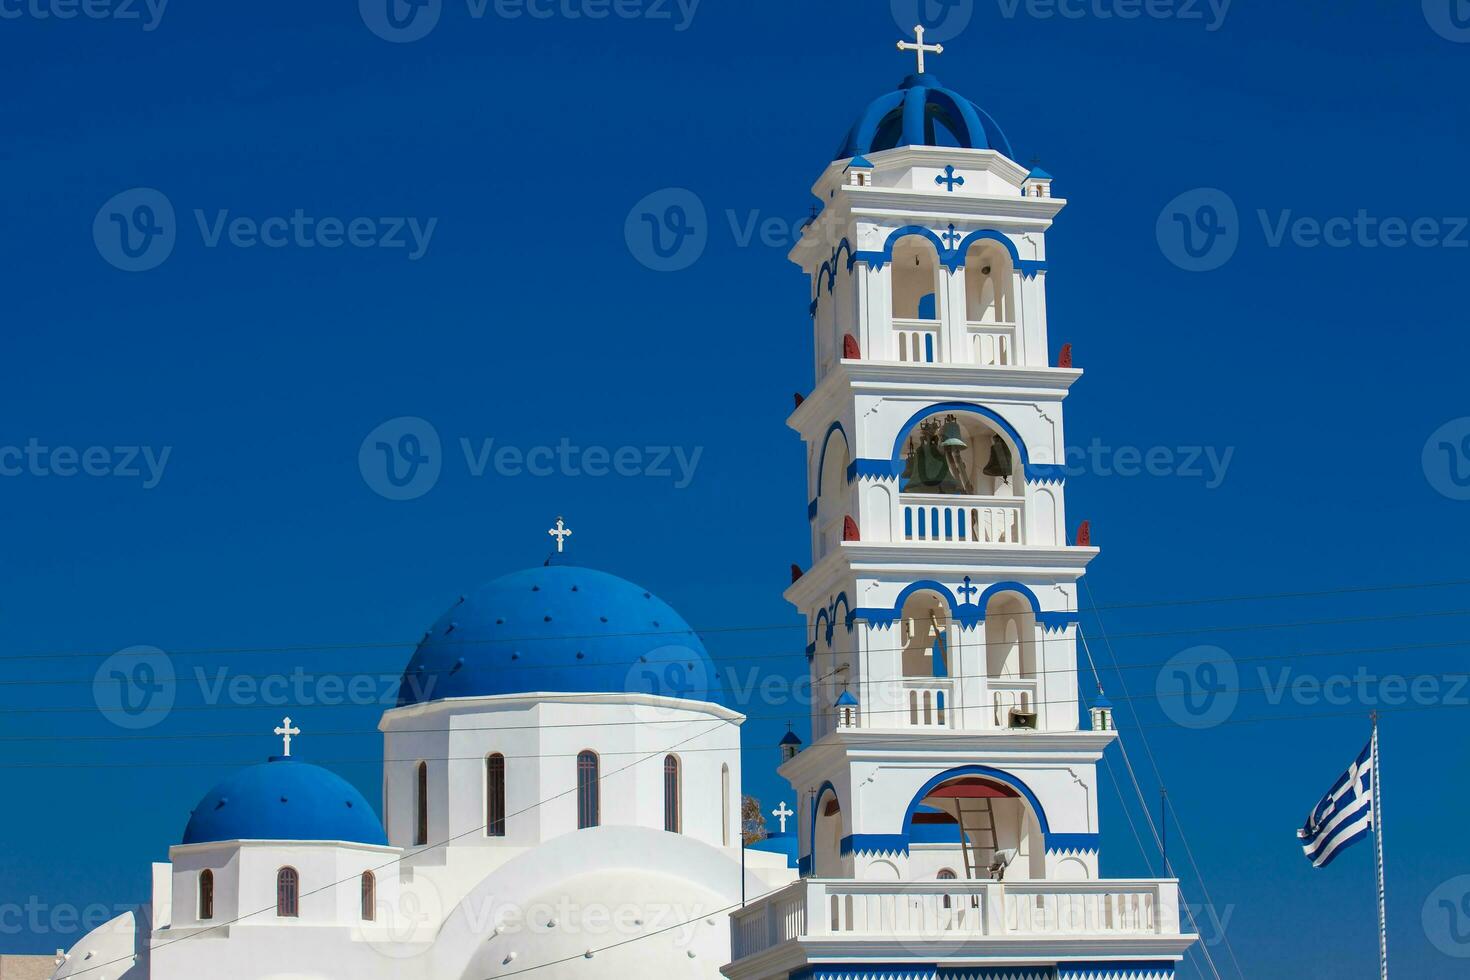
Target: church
[(561, 795)]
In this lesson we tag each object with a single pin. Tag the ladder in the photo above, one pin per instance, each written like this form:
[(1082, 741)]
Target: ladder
[(976, 818)]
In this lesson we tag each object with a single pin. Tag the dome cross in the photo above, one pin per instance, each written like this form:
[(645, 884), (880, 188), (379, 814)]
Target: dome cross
[(561, 532), (286, 731), (919, 47), (781, 813)]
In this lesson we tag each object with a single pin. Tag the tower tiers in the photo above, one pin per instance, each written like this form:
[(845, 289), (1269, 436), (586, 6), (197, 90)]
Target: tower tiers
[(947, 807)]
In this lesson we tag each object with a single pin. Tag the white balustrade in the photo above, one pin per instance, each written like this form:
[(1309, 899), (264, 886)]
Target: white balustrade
[(976, 520), (993, 344), (930, 702), (916, 341), (901, 911), (1011, 693)]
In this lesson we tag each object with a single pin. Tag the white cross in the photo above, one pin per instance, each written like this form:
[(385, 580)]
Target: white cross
[(561, 532), (781, 813), (286, 731), (920, 47)]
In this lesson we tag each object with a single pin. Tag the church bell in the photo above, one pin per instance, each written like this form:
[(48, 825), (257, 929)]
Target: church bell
[(952, 437), (1000, 459)]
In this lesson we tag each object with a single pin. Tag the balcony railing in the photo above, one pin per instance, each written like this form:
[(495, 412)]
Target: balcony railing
[(916, 341), (977, 520), (901, 912), (930, 702), (993, 344), (1011, 693)]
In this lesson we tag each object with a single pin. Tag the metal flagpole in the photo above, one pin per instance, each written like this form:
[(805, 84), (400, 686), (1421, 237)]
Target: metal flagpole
[(1378, 846)]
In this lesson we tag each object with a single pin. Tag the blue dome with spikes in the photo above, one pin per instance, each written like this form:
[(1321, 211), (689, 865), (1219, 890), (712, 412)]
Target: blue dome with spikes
[(284, 799), (564, 630), (922, 112)]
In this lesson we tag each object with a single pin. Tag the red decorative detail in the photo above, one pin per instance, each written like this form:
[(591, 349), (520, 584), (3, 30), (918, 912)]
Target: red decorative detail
[(850, 529), (799, 398), (796, 572), (1064, 359), (1084, 535), (850, 348)]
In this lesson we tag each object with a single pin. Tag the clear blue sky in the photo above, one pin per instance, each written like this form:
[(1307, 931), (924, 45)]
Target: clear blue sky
[(528, 319)]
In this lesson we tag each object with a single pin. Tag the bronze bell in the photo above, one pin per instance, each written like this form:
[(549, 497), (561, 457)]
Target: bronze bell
[(952, 437), (1000, 459)]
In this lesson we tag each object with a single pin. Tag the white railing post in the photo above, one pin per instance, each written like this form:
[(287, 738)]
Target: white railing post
[(1166, 908)]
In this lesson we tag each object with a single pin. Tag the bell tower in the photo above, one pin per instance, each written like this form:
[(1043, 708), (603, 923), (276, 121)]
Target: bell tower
[(947, 803)]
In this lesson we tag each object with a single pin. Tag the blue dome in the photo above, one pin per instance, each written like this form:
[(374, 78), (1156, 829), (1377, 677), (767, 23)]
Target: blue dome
[(284, 799), (922, 112), (559, 629)]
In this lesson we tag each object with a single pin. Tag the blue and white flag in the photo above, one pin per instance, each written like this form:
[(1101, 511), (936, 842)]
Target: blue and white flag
[(1345, 815)]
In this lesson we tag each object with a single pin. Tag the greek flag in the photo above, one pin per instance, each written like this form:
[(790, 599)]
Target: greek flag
[(1345, 815)]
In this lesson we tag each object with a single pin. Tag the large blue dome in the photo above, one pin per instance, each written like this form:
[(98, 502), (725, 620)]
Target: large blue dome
[(284, 799), (559, 629), (922, 112)]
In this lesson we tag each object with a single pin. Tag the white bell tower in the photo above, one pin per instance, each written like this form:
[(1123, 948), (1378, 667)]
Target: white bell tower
[(950, 757)]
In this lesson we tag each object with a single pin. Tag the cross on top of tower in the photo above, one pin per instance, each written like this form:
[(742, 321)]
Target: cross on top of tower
[(286, 731), (919, 47), (561, 532)]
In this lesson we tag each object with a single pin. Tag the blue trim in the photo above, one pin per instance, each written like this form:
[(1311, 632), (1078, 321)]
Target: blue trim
[(971, 407), (967, 614), (875, 469), (1046, 473), (845, 699), (1088, 970), (1050, 621), (811, 508), (951, 258), (829, 267), (998, 775), (884, 845), (1074, 842), (804, 865)]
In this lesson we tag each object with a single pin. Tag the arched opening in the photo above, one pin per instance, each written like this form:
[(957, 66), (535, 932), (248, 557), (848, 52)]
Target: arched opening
[(1010, 660), (827, 841), (918, 291), (673, 808), (963, 453), (832, 502), (997, 831), (421, 805), (990, 303), (589, 803), (288, 893), (206, 894), (495, 795), (369, 896), (927, 637)]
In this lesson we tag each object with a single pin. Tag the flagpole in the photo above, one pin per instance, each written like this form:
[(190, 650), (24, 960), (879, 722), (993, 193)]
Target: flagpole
[(1378, 847)]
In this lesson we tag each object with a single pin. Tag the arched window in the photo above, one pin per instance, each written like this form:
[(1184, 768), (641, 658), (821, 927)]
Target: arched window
[(288, 891), (206, 894), (589, 806), (369, 896), (495, 795), (672, 815), (946, 875), (725, 805), (421, 805)]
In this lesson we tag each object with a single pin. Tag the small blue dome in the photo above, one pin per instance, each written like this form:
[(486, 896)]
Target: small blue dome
[(559, 629), (922, 112), (284, 799)]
